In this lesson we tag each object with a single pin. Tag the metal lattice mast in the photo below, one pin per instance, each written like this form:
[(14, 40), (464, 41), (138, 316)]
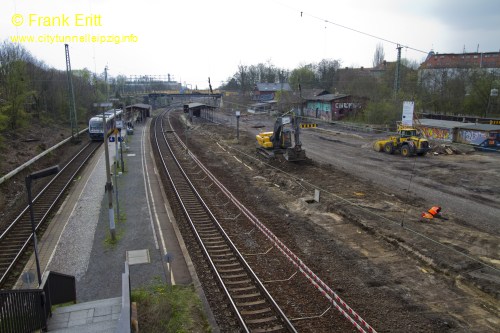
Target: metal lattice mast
[(398, 65), (71, 95)]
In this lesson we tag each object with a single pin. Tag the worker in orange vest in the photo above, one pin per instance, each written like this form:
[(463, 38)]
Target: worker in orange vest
[(432, 213), (426, 215)]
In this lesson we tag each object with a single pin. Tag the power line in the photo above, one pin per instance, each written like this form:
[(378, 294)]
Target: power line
[(367, 34), (302, 14)]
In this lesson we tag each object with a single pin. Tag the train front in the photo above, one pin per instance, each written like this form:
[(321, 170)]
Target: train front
[(95, 128)]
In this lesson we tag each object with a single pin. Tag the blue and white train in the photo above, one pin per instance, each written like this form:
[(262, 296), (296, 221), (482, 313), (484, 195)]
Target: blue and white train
[(95, 124)]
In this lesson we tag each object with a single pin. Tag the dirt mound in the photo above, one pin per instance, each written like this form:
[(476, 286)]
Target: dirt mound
[(450, 149)]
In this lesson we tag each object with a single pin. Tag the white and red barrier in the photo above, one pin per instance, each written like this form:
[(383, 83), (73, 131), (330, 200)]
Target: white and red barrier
[(326, 291)]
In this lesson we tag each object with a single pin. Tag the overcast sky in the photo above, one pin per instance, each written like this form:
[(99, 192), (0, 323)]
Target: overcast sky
[(197, 39)]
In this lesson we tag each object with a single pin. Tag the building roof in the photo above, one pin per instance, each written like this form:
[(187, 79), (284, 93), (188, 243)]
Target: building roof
[(139, 105), (462, 60), (327, 97), (481, 127), (382, 66), (458, 124), (273, 87), (263, 104), (309, 93), (440, 123)]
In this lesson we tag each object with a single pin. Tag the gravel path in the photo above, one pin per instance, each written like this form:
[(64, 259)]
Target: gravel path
[(72, 254)]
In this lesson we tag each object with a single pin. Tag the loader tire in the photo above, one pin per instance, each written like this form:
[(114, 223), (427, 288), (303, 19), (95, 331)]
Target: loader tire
[(406, 151), (389, 148)]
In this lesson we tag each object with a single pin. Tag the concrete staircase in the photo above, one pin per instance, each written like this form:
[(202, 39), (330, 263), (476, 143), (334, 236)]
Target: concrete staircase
[(90, 317)]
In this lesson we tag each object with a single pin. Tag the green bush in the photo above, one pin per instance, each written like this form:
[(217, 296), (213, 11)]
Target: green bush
[(384, 112), (164, 308)]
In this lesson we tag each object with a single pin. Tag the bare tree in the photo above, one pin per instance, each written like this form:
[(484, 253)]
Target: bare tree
[(15, 84), (379, 55), (242, 78), (326, 70)]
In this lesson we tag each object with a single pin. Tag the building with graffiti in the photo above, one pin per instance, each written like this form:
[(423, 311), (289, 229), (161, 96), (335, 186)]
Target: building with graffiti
[(329, 107), (478, 135), (440, 130)]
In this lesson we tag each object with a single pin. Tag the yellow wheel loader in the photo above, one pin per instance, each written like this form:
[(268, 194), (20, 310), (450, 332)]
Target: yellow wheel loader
[(408, 142)]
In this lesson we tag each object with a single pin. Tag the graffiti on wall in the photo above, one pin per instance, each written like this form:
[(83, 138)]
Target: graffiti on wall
[(472, 137), (318, 114), (442, 134), (347, 105), (326, 107)]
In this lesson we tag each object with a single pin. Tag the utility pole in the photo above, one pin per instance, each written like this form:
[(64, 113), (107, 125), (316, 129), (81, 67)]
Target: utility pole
[(238, 126), (109, 185), (210, 92), (115, 131), (121, 152), (71, 95), (301, 103), (396, 78)]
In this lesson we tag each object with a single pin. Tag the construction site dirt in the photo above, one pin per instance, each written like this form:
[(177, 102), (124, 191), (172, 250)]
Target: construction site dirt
[(441, 274)]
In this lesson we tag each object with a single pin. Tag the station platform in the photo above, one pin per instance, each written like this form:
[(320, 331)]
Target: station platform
[(77, 241)]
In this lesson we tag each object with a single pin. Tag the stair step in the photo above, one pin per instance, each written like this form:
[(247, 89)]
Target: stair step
[(94, 316)]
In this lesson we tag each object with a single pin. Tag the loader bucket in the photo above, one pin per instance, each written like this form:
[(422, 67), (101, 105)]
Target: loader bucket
[(378, 146)]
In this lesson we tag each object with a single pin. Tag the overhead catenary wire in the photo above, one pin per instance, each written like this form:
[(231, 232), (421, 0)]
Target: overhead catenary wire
[(367, 34), (303, 13)]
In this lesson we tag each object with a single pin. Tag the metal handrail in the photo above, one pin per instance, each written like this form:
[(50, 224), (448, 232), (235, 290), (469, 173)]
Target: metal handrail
[(27, 310), (124, 322), (34, 159)]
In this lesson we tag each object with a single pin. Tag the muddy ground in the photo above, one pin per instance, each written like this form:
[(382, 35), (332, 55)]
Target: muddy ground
[(17, 148), (442, 272)]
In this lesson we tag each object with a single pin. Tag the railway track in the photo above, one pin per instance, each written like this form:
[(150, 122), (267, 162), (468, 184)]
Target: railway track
[(251, 304), (307, 301), (16, 238)]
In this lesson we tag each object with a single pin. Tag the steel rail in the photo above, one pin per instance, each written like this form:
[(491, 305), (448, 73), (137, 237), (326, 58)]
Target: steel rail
[(15, 239), (322, 287), (352, 316), (283, 319)]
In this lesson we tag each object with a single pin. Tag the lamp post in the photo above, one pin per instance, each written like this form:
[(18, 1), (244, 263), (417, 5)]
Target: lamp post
[(35, 175), (109, 185), (238, 126)]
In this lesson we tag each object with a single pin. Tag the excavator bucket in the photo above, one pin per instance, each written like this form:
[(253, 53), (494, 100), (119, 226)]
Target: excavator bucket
[(295, 155)]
